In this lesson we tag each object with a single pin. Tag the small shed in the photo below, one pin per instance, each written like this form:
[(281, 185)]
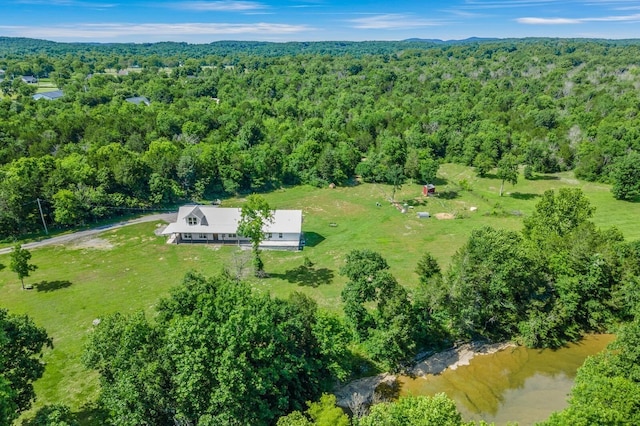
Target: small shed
[(137, 100), (428, 189)]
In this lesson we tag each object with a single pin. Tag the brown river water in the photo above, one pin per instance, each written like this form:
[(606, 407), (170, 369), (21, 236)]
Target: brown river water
[(516, 384)]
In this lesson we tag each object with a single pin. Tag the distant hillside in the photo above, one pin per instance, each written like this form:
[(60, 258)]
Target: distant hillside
[(11, 47), (466, 40)]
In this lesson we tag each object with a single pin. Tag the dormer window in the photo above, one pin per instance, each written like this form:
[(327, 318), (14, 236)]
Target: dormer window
[(192, 220)]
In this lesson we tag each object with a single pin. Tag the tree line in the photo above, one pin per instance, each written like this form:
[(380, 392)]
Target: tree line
[(248, 122)]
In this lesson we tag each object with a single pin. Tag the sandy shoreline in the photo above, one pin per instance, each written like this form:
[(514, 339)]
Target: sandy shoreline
[(434, 364)]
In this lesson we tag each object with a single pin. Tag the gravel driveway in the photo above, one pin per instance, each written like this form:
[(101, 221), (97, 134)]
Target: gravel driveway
[(64, 239)]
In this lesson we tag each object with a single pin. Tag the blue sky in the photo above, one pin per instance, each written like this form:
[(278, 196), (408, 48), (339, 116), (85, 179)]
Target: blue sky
[(204, 21)]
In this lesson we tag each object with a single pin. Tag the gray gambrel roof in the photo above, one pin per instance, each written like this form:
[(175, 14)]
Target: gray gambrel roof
[(50, 96), (219, 220)]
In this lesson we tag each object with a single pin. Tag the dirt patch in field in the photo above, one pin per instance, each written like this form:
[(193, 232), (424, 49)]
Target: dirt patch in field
[(93, 243), (570, 181), (444, 216), (159, 228)]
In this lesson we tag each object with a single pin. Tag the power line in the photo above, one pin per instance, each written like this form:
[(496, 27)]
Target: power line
[(46, 231)]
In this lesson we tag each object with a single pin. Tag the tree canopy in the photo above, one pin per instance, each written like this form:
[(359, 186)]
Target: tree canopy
[(558, 279), (626, 177), (218, 354), (225, 121), (21, 344), (607, 386)]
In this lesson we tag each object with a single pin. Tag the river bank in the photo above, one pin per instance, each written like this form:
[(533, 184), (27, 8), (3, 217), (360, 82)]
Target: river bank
[(362, 390), (497, 383)]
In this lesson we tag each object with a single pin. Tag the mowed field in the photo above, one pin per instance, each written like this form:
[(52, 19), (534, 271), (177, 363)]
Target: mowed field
[(129, 269)]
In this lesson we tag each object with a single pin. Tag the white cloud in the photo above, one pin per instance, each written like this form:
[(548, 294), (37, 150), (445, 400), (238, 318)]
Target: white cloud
[(71, 3), (548, 21), (219, 6), (392, 21), (113, 31), (466, 14), (501, 4), (562, 21), (309, 3)]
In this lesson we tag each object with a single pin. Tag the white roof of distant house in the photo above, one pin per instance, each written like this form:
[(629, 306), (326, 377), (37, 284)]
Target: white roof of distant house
[(138, 100), (50, 96), (219, 220)]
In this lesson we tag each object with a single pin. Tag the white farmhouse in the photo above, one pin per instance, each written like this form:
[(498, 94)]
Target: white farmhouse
[(217, 225)]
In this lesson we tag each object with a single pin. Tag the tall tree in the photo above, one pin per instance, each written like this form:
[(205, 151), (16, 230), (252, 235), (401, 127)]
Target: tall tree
[(395, 176), (133, 374), (626, 177), (507, 171), (21, 344), (255, 215), (411, 410), (556, 215), (427, 267), (387, 332), (20, 263), (490, 281), (321, 413)]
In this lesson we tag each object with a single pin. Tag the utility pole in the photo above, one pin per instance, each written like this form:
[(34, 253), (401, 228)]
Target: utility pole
[(46, 231)]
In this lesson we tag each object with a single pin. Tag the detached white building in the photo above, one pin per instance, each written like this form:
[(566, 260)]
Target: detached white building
[(217, 225)]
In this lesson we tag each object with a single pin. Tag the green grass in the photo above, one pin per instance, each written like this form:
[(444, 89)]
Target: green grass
[(134, 268), (46, 85)]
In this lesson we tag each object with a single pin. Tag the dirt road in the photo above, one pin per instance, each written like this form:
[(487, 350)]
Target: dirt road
[(63, 239)]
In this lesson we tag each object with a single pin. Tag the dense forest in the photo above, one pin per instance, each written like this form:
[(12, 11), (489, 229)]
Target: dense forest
[(221, 121), (146, 126)]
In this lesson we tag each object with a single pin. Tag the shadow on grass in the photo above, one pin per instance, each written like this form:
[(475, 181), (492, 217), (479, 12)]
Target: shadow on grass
[(48, 286), (635, 199), (448, 195), (312, 239), (61, 414), (439, 181), (92, 414), (544, 177), (307, 276), (416, 202), (361, 366), (524, 196)]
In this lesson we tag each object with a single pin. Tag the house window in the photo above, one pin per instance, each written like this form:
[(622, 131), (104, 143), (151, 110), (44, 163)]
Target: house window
[(192, 220), (232, 235), (187, 236), (269, 235), (280, 235), (203, 236)]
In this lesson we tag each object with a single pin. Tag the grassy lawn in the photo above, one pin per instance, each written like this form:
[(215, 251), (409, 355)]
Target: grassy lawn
[(129, 269), (46, 85)]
